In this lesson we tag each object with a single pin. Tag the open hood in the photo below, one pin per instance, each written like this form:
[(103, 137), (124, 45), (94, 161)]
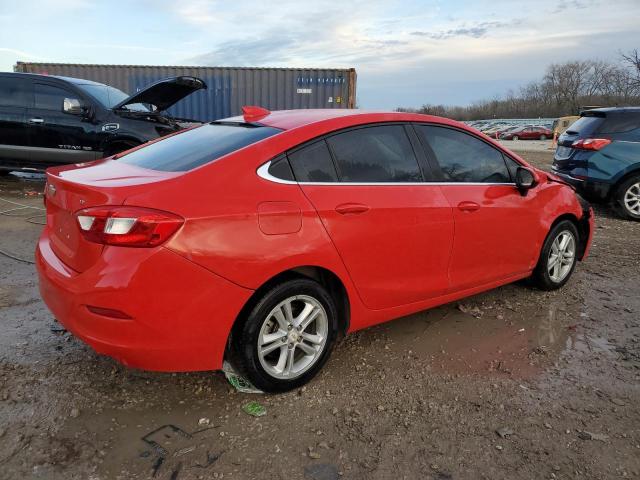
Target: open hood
[(164, 93)]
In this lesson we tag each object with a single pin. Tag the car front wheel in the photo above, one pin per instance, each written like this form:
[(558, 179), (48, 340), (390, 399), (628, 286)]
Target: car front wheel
[(627, 199), (558, 257), (287, 336), (515, 137)]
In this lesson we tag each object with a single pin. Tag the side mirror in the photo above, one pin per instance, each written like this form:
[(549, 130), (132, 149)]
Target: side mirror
[(525, 180), (72, 106)]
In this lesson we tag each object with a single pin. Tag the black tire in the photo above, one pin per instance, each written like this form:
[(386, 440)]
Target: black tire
[(629, 186), (247, 335), (541, 276)]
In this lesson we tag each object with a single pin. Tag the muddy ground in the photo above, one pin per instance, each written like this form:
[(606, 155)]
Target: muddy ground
[(511, 384)]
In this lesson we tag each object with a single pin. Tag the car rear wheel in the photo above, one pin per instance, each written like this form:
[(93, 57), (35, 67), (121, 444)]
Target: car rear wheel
[(543, 137), (627, 198), (287, 336), (558, 257), (515, 137)]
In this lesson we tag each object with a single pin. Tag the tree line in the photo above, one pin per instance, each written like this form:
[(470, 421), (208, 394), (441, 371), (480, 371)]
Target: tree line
[(564, 90)]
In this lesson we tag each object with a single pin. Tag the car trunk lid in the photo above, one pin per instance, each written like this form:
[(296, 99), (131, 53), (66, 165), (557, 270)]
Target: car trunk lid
[(73, 188)]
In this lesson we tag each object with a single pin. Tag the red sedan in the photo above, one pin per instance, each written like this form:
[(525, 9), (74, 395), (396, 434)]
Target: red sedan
[(261, 239), (527, 133)]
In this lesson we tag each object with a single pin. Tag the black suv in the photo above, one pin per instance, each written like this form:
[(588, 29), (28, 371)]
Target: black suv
[(48, 120)]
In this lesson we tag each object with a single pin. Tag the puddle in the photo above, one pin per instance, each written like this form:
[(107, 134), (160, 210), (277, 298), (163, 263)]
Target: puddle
[(460, 339)]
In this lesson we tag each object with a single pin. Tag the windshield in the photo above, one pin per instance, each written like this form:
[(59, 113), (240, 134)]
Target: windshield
[(195, 147), (110, 96)]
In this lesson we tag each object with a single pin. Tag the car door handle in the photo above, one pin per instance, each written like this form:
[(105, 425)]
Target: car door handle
[(468, 206), (351, 208), (37, 120)]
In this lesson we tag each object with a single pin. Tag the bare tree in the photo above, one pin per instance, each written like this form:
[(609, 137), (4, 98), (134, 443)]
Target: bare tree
[(632, 59), (563, 90)]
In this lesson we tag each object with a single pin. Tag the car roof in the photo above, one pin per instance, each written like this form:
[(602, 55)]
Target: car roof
[(290, 119), (77, 81), (612, 110)]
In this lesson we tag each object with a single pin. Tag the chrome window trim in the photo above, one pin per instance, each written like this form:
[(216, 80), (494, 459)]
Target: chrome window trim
[(263, 172)]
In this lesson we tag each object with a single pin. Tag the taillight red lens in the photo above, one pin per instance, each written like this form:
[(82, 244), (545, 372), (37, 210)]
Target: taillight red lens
[(127, 226), (591, 143)]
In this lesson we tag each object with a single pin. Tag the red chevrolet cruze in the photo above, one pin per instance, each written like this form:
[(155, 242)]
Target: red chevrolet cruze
[(261, 239)]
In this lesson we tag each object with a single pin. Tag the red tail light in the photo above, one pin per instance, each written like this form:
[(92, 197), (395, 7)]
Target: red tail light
[(591, 143), (127, 226)]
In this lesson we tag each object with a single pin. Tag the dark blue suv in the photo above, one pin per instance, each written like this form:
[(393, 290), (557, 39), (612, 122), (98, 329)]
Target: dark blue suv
[(600, 155)]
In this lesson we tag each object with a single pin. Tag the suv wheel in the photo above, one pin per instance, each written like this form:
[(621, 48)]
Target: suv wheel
[(558, 257), (287, 337), (515, 137), (627, 198)]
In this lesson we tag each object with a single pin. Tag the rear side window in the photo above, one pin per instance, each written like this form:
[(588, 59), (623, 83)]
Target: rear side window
[(48, 97), (280, 168), (14, 92), (313, 163), (462, 157), (375, 154), (620, 123), (198, 146)]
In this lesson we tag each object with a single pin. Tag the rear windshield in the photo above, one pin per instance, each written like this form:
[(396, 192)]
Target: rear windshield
[(196, 147), (585, 125), (610, 124)]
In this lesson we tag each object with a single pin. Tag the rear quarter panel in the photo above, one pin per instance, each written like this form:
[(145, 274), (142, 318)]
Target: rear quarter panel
[(614, 161)]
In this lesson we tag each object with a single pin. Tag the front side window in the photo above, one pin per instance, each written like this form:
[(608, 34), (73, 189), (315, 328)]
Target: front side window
[(48, 97), (462, 157), (195, 147), (14, 92), (375, 154)]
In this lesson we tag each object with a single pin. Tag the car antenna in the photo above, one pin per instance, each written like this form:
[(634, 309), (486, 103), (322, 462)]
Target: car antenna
[(253, 113)]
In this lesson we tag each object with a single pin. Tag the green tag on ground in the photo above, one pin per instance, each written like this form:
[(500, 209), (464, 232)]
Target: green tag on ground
[(254, 409)]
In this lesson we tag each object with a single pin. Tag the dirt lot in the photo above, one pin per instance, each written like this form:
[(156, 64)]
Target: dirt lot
[(511, 384)]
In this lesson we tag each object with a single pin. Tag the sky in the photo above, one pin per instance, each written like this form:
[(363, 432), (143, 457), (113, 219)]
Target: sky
[(406, 53)]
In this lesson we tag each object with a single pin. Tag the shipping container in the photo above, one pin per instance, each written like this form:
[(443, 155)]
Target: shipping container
[(229, 88)]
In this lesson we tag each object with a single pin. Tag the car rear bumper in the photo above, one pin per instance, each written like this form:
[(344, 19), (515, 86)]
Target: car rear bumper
[(585, 186), (180, 314)]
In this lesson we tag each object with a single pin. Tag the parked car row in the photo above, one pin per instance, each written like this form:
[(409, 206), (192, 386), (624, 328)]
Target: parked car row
[(507, 131)]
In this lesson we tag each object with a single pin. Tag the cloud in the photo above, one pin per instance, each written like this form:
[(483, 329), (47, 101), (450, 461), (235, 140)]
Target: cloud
[(476, 31)]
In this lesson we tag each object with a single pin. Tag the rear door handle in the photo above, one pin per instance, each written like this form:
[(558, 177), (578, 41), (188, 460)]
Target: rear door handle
[(351, 208), (468, 206), (36, 120)]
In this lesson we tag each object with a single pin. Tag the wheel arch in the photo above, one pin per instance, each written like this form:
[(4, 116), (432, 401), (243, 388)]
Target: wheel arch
[(623, 178), (582, 225), (328, 279)]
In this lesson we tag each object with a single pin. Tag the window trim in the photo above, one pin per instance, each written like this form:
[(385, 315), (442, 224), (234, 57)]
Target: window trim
[(424, 154), (263, 172)]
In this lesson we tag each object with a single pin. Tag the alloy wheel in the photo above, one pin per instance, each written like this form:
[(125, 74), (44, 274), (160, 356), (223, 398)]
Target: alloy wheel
[(632, 199), (562, 256), (293, 337)]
